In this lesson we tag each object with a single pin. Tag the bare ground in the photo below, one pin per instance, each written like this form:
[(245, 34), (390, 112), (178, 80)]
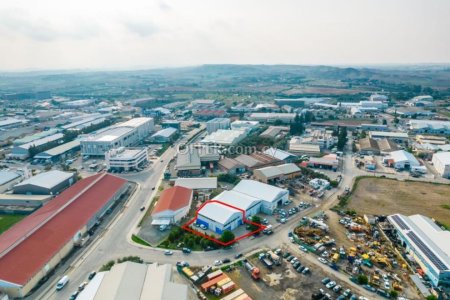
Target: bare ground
[(385, 196)]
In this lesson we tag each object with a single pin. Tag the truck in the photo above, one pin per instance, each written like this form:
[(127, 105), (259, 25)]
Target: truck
[(274, 258), (62, 283), (254, 271)]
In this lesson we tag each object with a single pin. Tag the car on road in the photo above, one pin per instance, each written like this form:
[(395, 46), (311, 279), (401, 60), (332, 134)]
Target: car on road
[(186, 250), (239, 255), (168, 252), (331, 284), (92, 275), (142, 208), (322, 260), (74, 295), (370, 288), (226, 260), (283, 220), (82, 286), (62, 283), (303, 249), (217, 262), (182, 264)]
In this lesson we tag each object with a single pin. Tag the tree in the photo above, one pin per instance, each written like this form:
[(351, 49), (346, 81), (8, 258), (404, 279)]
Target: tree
[(297, 127), (394, 294), (342, 138), (362, 279), (278, 122), (384, 122), (432, 297), (227, 236), (257, 220)]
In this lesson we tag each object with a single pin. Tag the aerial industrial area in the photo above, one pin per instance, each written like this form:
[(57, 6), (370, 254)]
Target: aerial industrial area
[(225, 196)]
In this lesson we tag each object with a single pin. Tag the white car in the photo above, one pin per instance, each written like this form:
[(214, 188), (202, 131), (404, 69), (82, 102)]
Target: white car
[(303, 249), (387, 285), (322, 260), (331, 284), (202, 227), (168, 252), (217, 262)]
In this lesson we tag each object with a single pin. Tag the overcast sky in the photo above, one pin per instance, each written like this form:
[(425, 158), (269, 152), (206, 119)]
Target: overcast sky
[(65, 34)]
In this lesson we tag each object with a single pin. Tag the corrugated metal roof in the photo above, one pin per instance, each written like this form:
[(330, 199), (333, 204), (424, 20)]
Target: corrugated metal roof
[(7, 176), (61, 149), (279, 154), (30, 244), (197, 183), (218, 212), (260, 190), (47, 180)]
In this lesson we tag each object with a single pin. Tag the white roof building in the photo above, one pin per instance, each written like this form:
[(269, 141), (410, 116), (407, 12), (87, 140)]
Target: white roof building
[(280, 154), (430, 127), (441, 162), (402, 159), (202, 183), (7, 176), (45, 183), (224, 137), (427, 242), (244, 125)]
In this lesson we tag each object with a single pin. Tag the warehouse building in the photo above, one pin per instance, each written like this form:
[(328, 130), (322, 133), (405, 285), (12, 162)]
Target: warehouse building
[(277, 173), (86, 122), (368, 146), (32, 248), (125, 134), (12, 122), (297, 147), (60, 152), (401, 160), (165, 135), (198, 184), (248, 126), (251, 196), (327, 162), (231, 166), (427, 243), (125, 159), (188, 163), (47, 183), (173, 204), (23, 200), (275, 132), (429, 127), (33, 137), (7, 176), (130, 280), (398, 137), (23, 151), (224, 137), (281, 155), (216, 124), (272, 117), (441, 162)]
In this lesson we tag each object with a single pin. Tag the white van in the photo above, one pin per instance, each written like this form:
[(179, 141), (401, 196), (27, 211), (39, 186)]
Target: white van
[(62, 283)]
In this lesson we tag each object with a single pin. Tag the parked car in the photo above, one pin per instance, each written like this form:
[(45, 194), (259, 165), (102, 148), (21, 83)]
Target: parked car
[(226, 260), (322, 260), (92, 275), (168, 252), (217, 262), (303, 249), (331, 284), (305, 271), (326, 280), (82, 286), (239, 255), (186, 250), (337, 288)]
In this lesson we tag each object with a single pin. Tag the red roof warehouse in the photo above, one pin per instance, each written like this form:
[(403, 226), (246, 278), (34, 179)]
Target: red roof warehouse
[(35, 245), (173, 204)]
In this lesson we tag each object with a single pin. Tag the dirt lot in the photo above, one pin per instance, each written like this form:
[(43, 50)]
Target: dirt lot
[(386, 196)]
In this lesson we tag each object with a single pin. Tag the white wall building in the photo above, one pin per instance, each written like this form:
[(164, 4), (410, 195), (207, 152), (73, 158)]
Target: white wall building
[(272, 117), (441, 162), (244, 125), (126, 158), (223, 137), (125, 134), (216, 124), (402, 160), (429, 127)]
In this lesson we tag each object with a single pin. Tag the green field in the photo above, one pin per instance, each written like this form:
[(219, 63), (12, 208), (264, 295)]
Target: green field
[(6, 221)]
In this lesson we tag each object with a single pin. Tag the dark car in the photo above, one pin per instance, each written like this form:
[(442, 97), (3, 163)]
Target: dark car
[(226, 260), (239, 255), (186, 250), (153, 188), (92, 275), (296, 265)]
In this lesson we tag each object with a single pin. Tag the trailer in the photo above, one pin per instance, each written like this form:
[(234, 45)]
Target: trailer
[(254, 271), (275, 258), (214, 274)]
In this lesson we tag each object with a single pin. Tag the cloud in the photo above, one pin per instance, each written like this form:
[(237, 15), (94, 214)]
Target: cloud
[(141, 28), (17, 22)]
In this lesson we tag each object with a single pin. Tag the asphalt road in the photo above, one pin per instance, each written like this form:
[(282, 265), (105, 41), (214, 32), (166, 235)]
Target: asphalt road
[(115, 243)]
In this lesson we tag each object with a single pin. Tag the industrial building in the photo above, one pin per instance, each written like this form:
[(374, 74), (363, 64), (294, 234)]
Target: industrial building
[(297, 147), (248, 126), (368, 146), (216, 124), (223, 137), (281, 155), (47, 183), (374, 127), (125, 159), (272, 117), (23, 151), (198, 184), (32, 248), (15, 203), (33, 137), (441, 162), (429, 127), (165, 135), (173, 204), (426, 243), (298, 102), (125, 134), (86, 121), (231, 166), (401, 159), (275, 132), (171, 123), (12, 122), (60, 152), (251, 196), (398, 137), (188, 163), (130, 280), (7, 176), (327, 162), (277, 173), (257, 160)]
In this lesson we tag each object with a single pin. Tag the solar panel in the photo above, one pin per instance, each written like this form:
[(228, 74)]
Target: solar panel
[(424, 248), (400, 222)]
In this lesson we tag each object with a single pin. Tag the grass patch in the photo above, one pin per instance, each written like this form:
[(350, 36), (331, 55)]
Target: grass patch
[(446, 206), (139, 241), (7, 221)]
